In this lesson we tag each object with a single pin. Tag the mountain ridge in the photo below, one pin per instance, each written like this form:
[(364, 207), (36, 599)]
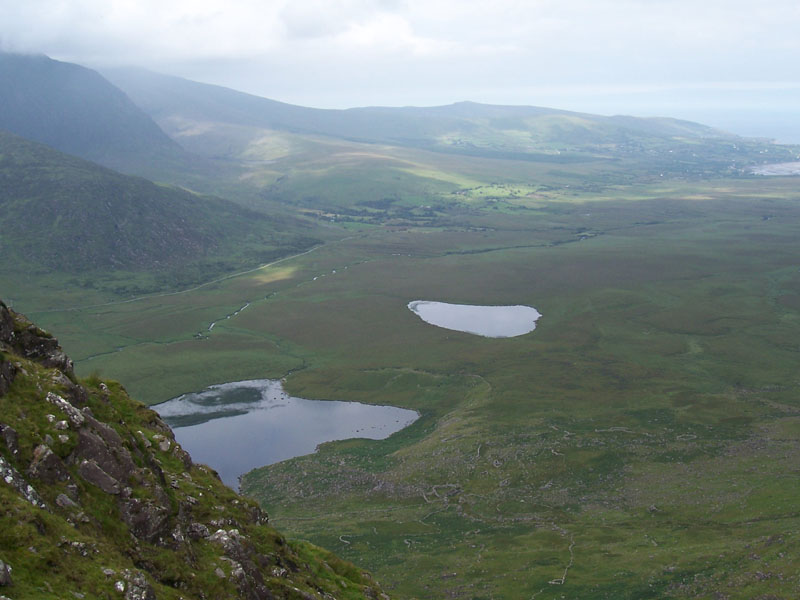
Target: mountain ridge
[(77, 111), (161, 95), (63, 213), (220, 123)]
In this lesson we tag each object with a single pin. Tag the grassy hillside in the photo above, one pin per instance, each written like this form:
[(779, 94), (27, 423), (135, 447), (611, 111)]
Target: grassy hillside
[(65, 216), (191, 111)]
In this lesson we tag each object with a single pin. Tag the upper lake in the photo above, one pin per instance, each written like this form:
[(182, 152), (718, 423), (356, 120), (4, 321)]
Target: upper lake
[(236, 427), (778, 169), (488, 321)]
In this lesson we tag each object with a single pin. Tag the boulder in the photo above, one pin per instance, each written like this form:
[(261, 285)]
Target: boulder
[(137, 588), (6, 324), (7, 373), (114, 459), (76, 393), (10, 438), (47, 466), (108, 433), (75, 416), (146, 520), (91, 472), (65, 501), (5, 574), (197, 531)]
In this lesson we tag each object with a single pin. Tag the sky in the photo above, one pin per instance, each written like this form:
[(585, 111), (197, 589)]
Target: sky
[(731, 63)]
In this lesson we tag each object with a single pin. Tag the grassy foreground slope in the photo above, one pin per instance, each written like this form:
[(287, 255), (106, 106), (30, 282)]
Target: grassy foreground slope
[(99, 501)]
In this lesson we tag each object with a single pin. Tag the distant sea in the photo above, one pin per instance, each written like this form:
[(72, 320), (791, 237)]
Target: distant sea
[(782, 126)]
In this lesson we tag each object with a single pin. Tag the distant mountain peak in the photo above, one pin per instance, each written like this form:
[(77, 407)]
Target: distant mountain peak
[(76, 110)]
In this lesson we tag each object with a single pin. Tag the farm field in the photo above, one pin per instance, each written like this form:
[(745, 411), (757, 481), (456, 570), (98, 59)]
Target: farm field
[(640, 443)]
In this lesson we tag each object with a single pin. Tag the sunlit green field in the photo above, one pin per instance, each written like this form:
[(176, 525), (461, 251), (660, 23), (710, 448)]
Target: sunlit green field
[(642, 442)]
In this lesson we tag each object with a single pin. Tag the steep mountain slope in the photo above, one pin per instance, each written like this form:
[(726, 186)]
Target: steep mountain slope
[(64, 213), (77, 111), (99, 501)]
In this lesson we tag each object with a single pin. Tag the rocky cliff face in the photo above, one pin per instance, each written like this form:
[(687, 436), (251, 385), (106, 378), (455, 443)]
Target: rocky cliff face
[(99, 501)]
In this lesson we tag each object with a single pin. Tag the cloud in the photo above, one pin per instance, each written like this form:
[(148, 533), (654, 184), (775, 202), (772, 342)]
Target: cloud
[(393, 51), (325, 18)]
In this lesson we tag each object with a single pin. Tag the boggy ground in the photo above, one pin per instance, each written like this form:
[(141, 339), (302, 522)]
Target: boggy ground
[(642, 442)]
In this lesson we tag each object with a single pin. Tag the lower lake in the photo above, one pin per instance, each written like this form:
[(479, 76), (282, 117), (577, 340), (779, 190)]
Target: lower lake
[(488, 321), (236, 427)]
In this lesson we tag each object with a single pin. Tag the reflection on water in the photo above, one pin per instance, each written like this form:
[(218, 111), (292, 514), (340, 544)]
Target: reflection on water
[(488, 321), (236, 427)]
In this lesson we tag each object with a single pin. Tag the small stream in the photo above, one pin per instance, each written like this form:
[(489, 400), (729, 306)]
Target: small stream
[(230, 316)]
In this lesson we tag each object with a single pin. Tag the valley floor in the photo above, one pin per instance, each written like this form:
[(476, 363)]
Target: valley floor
[(642, 442)]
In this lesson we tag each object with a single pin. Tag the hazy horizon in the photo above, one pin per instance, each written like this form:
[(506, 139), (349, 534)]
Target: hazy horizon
[(726, 64)]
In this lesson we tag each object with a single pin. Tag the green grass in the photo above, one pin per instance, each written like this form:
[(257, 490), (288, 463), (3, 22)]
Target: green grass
[(662, 351)]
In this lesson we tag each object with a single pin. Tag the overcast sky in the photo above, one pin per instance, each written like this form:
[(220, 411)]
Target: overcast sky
[(684, 58)]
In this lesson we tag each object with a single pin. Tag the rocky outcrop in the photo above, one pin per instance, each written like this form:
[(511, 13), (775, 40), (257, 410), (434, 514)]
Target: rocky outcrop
[(10, 438), (6, 323), (5, 574), (47, 466), (125, 491), (37, 345), (11, 477), (27, 340), (115, 460), (91, 472), (146, 519), (7, 373), (7, 370), (244, 570), (135, 586), (197, 531)]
